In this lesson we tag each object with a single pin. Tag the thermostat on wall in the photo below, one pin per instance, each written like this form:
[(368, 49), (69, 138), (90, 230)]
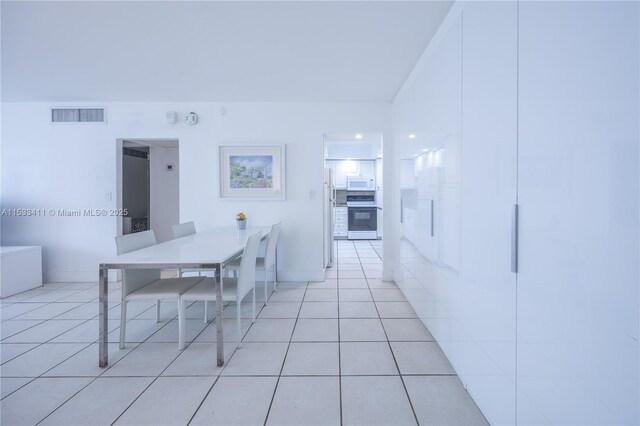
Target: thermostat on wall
[(192, 118), (170, 167), (171, 117)]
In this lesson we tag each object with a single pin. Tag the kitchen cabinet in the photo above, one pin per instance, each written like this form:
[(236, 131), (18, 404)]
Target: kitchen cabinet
[(344, 168), (341, 222), (378, 173), (366, 168), (379, 195), (340, 177)]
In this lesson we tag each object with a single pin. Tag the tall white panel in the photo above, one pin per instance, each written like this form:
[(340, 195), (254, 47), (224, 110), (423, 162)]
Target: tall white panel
[(487, 352), (438, 115), (578, 194), (403, 118)]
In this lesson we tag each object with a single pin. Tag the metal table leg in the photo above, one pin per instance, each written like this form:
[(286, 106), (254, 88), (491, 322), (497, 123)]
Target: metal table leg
[(103, 324), (219, 337), (275, 267)]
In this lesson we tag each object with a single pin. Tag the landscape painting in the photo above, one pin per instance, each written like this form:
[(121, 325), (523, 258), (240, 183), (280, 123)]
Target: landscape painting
[(252, 172)]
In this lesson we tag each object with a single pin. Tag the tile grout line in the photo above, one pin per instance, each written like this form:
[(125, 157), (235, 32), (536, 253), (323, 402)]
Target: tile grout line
[(75, 393), (275, 389), (269, 375), (217, 379), (42, 375), (279, 376), (44, 292), (404, 386), (339, 335), (42, 321), (101, 375), (170, 363)]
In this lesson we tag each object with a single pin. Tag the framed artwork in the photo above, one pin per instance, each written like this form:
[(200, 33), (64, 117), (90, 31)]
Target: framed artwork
[(252, 172)]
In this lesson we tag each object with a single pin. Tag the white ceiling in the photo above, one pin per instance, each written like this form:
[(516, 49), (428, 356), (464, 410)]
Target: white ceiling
[(348, 51)]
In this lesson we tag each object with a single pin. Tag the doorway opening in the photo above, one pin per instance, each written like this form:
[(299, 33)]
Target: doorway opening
[(148, 186), (353, 201)]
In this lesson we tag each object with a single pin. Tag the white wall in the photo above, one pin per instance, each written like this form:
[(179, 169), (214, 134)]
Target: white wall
[(355, 150), (74, 166), (165, 191)]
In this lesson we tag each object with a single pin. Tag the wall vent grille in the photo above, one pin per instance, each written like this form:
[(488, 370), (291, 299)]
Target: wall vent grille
[(78, 115)]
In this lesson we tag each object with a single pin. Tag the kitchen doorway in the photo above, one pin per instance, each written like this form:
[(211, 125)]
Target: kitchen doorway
[(353, 203), (148, 186)]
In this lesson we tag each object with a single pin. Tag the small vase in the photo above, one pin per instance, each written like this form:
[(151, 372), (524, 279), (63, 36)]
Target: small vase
[(242, 224)]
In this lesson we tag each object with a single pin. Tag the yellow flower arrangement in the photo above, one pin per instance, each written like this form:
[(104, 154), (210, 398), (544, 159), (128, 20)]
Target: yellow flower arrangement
[(241, 216)]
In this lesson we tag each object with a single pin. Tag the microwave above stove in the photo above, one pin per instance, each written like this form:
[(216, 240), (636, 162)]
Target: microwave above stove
[(360, 183)]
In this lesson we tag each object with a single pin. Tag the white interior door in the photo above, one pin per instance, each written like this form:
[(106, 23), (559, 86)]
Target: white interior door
[(578, 195)]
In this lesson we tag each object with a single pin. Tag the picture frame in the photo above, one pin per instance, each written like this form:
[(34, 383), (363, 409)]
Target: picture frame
[(252, 172)]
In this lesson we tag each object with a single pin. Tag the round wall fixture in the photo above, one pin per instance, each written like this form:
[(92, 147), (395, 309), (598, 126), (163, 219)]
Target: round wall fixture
[(192, 118)]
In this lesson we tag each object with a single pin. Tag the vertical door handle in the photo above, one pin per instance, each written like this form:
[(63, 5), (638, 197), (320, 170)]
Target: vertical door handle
[(514, 239), (432, 230), (401, 210)]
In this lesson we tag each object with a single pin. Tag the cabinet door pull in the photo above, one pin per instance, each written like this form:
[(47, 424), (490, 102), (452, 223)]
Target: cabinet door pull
[(401, 210), (514, 239), (432, 230)]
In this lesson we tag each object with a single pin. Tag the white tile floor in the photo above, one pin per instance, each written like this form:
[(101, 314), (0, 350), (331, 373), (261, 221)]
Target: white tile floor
[(348, 350)]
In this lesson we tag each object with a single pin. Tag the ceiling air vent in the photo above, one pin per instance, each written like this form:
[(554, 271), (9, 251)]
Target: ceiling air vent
[(78, 115)]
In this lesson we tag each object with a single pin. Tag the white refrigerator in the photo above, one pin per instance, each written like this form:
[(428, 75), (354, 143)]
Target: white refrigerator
[(329, 200)]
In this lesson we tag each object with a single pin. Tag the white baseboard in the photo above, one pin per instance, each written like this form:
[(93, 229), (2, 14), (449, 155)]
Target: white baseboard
[(301, 275)]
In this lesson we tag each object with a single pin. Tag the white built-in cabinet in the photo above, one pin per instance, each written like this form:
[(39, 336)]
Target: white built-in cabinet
[(578, 187), (533, 104), (487, 352)]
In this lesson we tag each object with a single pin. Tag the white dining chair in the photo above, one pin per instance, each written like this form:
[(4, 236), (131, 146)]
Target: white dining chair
[(146, 284), (266, 263), (182, 230), (234, 289)]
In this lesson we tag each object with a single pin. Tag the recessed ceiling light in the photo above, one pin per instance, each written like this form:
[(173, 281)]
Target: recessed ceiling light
[(412, 136), (358, 136)]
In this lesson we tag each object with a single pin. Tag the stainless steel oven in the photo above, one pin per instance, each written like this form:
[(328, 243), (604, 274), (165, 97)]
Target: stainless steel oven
[(362, 216)]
